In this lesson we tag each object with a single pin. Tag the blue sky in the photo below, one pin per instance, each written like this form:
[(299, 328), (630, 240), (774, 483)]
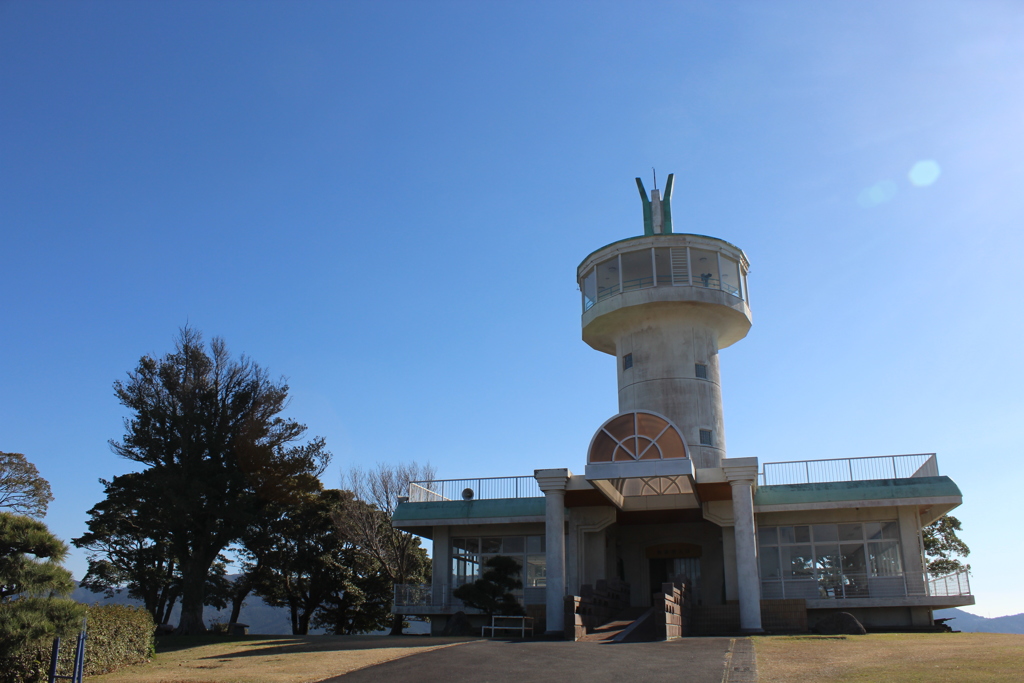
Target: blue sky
[(386, 203)]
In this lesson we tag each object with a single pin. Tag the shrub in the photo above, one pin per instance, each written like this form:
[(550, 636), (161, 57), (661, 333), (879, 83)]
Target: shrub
[(118, 635)]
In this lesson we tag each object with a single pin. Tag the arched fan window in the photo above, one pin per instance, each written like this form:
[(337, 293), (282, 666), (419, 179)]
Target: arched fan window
[(634, 436)]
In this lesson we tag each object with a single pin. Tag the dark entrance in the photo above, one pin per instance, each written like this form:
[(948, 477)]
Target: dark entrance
[(671, 560)]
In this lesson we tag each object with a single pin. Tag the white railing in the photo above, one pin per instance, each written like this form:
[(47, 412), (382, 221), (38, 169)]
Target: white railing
[(850, 469), (957, 583), (481, 488), (851, 586)]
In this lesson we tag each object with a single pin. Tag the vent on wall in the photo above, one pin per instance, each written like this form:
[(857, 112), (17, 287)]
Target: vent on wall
[(701, 371), (705, 437), (627, 361)]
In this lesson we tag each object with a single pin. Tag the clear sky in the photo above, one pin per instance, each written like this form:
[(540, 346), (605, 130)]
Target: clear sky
[(385, 202)]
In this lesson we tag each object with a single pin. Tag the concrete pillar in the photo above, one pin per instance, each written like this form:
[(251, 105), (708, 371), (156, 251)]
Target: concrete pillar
[(742, 475), (552, 483), (441, 564)]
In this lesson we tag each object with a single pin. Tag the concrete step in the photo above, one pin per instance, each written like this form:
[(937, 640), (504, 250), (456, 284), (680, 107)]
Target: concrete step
[(608, 632)]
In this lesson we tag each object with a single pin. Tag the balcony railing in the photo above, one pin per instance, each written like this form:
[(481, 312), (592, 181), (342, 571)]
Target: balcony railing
[(486, 488), (850, 469), (853, 586), (958, 583)]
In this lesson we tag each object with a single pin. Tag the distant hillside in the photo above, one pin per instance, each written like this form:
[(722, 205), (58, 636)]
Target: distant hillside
[(261, 617), (972, 623)]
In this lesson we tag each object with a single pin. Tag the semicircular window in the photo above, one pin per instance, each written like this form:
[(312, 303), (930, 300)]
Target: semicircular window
[(637, 435)]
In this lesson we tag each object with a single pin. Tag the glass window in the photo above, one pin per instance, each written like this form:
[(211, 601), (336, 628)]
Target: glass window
[(799, 560), (841, 558), (589, 290), (536, 571), (535, 544), (730, 276), (852, 556), (490, 545), (884, 558), (769, 563), (607, 279), (637, 270), (663, 266), (705, 268), (513, 544)]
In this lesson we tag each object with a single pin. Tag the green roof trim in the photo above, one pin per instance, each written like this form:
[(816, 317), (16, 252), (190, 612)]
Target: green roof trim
[(469, 509), (875, 489)]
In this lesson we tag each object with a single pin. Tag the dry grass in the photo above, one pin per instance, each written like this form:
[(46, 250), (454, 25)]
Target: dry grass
[(269, 659), (891, 657)]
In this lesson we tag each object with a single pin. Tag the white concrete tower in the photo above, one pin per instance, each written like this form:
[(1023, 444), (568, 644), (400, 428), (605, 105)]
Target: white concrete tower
[(664, 304)]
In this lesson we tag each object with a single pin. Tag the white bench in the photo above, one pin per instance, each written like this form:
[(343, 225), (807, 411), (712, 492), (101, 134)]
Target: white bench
[(508, 623)]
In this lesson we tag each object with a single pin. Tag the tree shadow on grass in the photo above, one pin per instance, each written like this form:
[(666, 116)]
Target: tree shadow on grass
[(298, 644)]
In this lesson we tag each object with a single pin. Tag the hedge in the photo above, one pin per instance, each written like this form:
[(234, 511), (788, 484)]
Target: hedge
[(117, 635)]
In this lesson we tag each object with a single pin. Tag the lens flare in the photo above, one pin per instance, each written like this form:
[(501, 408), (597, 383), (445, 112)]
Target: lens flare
[(924, 173), (879, 193)]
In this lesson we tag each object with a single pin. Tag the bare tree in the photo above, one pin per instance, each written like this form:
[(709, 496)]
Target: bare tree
[(21, 488), (367, 521)]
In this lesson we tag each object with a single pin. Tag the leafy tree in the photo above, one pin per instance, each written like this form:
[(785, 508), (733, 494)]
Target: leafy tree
[(128, 548), (21, 488), (943, 548), (492, 592), (364, 606), (302, 560), (368, 525), (31, 581), (217, 452)]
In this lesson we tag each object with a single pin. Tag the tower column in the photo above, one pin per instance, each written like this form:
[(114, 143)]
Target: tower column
[(742, 473), (552, 483)]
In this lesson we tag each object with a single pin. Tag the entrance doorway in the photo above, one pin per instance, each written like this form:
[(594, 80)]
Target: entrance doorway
[(672, 560)]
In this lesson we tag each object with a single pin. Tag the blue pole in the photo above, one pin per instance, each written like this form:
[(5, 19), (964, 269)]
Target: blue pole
[(53, 659)]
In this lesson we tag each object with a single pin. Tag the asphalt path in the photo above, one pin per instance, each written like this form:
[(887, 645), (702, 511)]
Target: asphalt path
[(693, 660)]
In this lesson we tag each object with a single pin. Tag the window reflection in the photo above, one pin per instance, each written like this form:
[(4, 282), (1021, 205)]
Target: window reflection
[(469, 555), (842, 561)]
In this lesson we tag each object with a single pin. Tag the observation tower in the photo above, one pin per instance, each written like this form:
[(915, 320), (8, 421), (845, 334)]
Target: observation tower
[(664, 304)]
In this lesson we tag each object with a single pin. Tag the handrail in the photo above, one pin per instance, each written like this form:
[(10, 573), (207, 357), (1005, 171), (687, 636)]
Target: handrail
[(476, 488), (849, 469)]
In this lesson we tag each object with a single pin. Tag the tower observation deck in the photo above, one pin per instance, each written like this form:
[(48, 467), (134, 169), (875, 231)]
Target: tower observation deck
[(664, 304)]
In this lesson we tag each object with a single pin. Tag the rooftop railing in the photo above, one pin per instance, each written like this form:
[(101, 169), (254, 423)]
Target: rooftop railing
[(850, 469), (486, 488)]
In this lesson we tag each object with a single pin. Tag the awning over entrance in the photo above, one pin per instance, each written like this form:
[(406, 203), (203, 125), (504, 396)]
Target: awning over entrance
[(640, 461)]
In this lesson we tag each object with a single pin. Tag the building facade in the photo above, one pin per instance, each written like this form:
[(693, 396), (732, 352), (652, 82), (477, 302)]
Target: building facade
[(659, 497)]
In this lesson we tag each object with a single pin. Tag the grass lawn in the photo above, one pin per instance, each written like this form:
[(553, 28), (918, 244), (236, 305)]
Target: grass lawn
[(891, 658), (270, 659)]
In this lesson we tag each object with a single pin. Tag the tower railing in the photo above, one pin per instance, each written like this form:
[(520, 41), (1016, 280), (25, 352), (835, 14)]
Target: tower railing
[(480, 488), (850, 469)]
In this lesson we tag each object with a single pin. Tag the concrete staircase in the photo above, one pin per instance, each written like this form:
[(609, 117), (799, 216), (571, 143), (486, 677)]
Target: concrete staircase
[(620, 628)]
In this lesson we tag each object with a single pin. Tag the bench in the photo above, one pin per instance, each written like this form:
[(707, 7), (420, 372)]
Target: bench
[(508, 623)]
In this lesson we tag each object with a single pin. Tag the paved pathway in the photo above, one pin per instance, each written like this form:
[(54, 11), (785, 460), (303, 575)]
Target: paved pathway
[(693, 660)]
